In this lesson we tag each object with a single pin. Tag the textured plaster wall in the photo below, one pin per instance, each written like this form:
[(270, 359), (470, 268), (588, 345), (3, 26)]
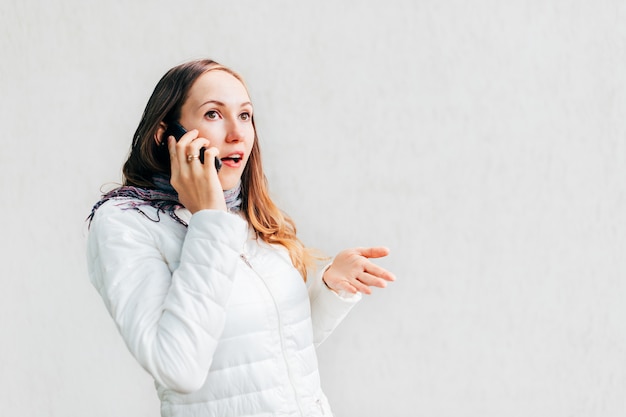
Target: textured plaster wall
[(484, 142)]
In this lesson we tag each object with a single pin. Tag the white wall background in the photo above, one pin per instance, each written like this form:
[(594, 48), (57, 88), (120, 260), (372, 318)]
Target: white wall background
[(484, 142)]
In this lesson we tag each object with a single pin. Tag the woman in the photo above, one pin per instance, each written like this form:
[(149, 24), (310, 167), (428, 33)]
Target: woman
[(203, 274)]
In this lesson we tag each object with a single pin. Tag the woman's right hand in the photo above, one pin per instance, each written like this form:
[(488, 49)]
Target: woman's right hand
[(197, 184)]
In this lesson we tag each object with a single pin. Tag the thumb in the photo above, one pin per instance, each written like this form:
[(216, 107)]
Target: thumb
[(374, 252)]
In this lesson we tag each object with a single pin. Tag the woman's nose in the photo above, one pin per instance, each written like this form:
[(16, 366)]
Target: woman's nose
[(235, 132)]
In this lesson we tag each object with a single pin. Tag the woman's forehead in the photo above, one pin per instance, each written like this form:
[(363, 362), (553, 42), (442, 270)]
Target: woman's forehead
[(218, 85)]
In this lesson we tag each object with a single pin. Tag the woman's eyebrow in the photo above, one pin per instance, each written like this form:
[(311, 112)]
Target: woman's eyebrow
[(220, 104)]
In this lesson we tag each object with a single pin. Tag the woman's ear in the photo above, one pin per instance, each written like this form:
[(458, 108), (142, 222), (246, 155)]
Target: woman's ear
[(158, 136)]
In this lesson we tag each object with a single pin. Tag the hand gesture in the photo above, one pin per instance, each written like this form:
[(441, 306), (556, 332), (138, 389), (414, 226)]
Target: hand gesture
[(353, 272)]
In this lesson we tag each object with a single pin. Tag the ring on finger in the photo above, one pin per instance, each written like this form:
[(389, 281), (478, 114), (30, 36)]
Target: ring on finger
[(192, 157)]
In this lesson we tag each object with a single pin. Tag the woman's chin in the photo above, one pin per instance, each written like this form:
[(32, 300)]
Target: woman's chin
[(229, 183)]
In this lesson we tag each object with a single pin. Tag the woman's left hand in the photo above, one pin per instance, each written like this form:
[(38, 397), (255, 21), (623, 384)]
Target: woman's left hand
[(353, 272)]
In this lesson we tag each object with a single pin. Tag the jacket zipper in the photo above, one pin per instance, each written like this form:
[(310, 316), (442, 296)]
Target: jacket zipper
[(319, 404), (280, 331)]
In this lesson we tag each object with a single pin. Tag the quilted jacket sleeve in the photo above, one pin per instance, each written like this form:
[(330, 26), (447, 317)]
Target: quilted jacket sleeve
[(328, 308), (171, 322)]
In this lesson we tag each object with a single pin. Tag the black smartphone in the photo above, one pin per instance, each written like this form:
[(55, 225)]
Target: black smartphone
[(177, 130)]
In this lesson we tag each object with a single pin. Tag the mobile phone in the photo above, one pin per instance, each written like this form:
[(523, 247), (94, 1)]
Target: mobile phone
[(177, 130)]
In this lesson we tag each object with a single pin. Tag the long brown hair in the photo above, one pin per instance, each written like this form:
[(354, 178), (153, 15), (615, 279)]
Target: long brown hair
[(147, 158)]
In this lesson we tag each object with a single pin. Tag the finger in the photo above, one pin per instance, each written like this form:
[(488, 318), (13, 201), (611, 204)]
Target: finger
[(371, 280), (373, 252), (360, 287), (378, 271), (193, 148), (209, 156), (344, 286), (188, 137), (183, 148), (171, 147), (181, 145), (192, 154)]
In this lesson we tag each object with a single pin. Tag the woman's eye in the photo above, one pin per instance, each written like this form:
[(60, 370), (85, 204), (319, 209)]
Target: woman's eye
[(211, 114), (245, 116)]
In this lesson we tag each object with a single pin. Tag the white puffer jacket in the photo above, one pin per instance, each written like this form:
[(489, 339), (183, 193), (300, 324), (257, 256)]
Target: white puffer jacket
[(222, 321)]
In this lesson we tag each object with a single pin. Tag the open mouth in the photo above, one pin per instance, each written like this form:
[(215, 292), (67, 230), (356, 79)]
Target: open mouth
[(234, 158)]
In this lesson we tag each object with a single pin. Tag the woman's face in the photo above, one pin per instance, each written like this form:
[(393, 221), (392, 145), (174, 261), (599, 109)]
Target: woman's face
[(219, 107)]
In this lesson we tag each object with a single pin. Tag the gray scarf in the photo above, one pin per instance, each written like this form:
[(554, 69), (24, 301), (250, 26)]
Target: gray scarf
[(164, 198)]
